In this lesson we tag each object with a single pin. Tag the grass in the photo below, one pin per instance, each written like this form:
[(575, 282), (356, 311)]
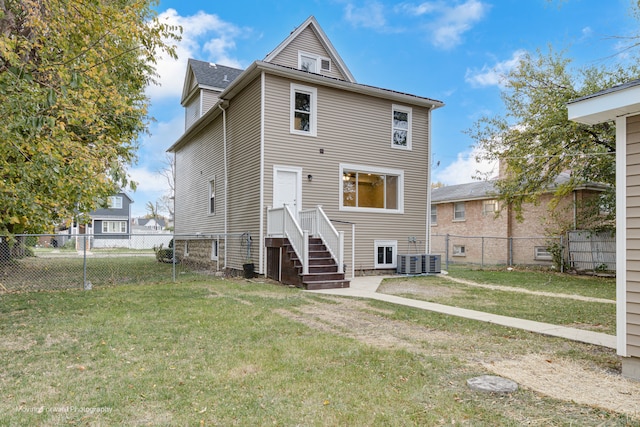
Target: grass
[(539, 280), (67, 272), (217, 352)]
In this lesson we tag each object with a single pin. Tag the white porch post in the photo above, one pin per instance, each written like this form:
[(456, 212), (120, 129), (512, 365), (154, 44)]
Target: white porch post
[(305, 252)]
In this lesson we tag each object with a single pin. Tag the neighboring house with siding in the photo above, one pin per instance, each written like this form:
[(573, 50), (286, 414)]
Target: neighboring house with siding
[(622, 105), (470, 225), (108, 227), (349, 161)]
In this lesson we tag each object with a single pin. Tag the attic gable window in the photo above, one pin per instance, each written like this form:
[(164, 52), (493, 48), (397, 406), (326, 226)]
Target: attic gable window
[(401, 127), (313, 63), (114, 202), (303, 109)]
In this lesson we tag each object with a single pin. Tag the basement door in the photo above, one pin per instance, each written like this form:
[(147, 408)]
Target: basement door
[(287, 187)]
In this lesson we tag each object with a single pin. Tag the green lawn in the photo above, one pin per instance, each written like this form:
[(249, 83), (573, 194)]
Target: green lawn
[(219, 352)]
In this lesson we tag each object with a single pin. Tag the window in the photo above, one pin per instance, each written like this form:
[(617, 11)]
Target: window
[(214, 250), (459, 250), (212, 196), (114, 202), (371, 189), (434, 214), (386, 253), (303, 110), (114, 226), (542, 253), (309, 62), (489, 207), (401, 127), (186, 248), (458, 211)]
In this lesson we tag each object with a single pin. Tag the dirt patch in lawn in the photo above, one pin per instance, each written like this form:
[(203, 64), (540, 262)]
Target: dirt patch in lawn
[(560, 378), (398, 287)]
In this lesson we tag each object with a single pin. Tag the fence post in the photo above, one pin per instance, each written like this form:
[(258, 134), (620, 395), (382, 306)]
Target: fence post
[(482, 253), (561, 254), (446, 251), (173, 260), (86, 284)]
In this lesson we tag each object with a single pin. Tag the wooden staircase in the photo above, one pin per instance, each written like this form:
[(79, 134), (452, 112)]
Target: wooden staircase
[(323, 270)]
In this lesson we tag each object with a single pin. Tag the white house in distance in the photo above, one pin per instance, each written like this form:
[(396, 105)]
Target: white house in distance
[(622, 104)]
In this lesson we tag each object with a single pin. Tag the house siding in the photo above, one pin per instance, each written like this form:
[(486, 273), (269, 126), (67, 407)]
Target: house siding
[(243, 153), (209, 99), (355, 129), (192, 112), (633, 236), (307, 42)]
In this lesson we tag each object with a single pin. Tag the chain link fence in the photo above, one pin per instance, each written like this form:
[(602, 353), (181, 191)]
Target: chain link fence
[(580, 251), (83, 261), (484, 250)]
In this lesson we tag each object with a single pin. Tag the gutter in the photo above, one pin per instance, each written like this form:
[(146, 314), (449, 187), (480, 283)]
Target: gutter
[(223, 104)]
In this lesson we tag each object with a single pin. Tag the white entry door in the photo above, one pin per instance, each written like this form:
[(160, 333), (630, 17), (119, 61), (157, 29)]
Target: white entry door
[(287, 187)]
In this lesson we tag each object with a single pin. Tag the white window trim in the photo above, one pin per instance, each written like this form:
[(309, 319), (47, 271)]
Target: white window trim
[(213, 178), (371, 169), (464, 212), (409, 112), (462, 250), (318, 60), (313, 113), (115, 202), (385, 243), (541, 253), (214, 250), (486, 203), (105, 227), (433, 207)]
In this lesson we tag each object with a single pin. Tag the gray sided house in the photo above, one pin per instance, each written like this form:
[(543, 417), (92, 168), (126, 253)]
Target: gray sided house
[(313, 177), (622, 105), (111, 225)]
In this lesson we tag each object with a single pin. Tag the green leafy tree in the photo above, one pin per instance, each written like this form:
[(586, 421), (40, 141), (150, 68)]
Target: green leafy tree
[(72, 99), (535, 142)]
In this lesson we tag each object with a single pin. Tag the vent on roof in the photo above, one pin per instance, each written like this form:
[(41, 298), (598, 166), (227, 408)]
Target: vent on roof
[(212, 65), (226, 78)]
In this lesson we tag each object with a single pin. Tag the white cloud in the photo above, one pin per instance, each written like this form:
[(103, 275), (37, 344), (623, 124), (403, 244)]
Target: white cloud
[(204, 36), (369, 16), (495, 75), (450, 22), (465, 169)]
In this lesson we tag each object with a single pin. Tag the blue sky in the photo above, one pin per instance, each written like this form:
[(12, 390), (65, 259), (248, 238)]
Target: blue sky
[(450, 50)]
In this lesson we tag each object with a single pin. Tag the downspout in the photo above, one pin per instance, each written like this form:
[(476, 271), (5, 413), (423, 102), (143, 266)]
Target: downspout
[(575, 210), (223, 105), (429, 163), (261, 251)]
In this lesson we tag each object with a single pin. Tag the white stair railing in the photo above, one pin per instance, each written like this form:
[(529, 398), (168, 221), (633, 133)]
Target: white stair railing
[(283, 222)]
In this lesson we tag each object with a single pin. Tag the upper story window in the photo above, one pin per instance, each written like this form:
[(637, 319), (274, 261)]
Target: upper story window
[(114, 202), (401, 127), (313, 63), (458, 211), (303, 109), (371, 189), (489, 207), (434, 214)]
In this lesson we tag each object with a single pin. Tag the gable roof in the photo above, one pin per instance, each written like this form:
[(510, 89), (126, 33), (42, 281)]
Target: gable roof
[(479, 190), (207, 75), (324, 40)]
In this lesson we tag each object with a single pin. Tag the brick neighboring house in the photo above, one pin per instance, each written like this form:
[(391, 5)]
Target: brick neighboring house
[(481, 230)]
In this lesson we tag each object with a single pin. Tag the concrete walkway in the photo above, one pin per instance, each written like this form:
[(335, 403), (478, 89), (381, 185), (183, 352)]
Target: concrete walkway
[(365, 287)]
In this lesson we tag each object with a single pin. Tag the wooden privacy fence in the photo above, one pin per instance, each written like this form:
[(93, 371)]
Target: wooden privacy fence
[(592, 251)]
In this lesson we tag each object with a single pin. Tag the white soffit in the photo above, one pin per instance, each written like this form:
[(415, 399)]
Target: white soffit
[(605, 107)]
